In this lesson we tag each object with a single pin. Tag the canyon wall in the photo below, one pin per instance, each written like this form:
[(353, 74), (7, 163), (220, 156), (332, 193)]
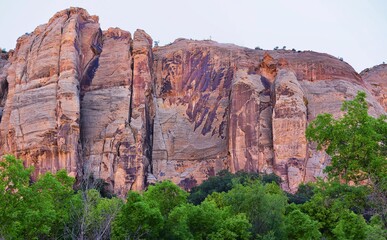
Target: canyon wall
[(108, 105)]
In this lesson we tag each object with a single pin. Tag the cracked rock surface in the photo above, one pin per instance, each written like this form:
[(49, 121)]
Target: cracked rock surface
[(107, 104)]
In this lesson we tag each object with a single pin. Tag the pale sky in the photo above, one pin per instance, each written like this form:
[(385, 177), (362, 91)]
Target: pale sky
[(355, 30)]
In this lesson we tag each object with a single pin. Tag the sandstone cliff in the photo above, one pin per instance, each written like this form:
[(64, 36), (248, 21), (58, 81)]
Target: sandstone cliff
[(376, 81), (108, 104)]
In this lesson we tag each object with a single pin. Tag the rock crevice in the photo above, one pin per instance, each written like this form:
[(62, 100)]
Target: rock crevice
[(104, 104)]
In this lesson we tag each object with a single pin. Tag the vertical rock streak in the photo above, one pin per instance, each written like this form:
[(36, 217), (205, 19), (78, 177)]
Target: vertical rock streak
[(104, 104), (289, 126)]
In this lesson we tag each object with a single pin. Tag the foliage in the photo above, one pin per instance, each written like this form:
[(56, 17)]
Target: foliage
[(376, 230), (224, 181), (91, 215), (14, 181), (301, 227), (137, 219), (220, 183), (304, 193), (325, 211), (49, 207), (356, 142), (206, 221), (354, 198), (264, 205), (350, 226), (166, 195), (32, 211), (54, 191)]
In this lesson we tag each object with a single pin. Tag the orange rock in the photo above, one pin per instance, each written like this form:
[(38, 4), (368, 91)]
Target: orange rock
[(376, 82), (108, 105)]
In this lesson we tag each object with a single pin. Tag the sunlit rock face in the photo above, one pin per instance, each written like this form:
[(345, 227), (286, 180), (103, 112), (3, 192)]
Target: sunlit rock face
[(376, 81), (108, 105), (289, 125), (41, 117)]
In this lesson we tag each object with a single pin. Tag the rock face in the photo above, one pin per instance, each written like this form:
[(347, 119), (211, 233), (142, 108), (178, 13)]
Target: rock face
[(289, 125), (106, 104), (376, 81)]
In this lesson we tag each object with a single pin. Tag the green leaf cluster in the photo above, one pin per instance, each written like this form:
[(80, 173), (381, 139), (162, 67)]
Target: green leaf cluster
[(49, 208), (356, 142), (32, 211)]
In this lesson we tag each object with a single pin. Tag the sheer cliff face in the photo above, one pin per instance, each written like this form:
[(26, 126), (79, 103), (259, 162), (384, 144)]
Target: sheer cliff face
[(107, 104), (376, 81)]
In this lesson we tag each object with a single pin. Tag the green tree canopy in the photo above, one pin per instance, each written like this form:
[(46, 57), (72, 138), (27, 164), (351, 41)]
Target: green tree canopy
[(299, 226), (166, 195), (138, 219), (32, 211), (356, 142), (206, 221), (264, 206)]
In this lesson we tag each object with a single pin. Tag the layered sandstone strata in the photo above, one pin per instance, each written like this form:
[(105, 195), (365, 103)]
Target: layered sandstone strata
[(376, 81), (108, 105)]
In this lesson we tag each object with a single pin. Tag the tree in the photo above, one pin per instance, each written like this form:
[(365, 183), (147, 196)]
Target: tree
[(166, 195), (224, 182), (339, 209), (14, 183), (325, 211), (36, 210), (90, 215), (350, 227), (357, 144), (54, 190), (304, 193), (138, 219), (206, 221), (300, 226), (264, 206), (376, 230)]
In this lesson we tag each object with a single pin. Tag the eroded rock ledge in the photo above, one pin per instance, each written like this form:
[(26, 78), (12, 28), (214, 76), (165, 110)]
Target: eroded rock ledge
[(108, 104)]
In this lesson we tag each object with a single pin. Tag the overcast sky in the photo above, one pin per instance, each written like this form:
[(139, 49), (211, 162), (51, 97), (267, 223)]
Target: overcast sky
[(355, 30)]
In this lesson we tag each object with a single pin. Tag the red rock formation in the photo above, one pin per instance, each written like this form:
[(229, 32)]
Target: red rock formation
[(3, 81), (107, 143), (193, 84), (107, 104), (376, 81), (40, 123), (289, 125), (142, 109)]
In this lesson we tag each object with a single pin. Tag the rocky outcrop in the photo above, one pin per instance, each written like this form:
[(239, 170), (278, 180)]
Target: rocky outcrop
[(3, 80), (41, 117), (107, 143), (142, 107), (376, 81), (250, 135), (289, 125), (106, 104), (193, 85)]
